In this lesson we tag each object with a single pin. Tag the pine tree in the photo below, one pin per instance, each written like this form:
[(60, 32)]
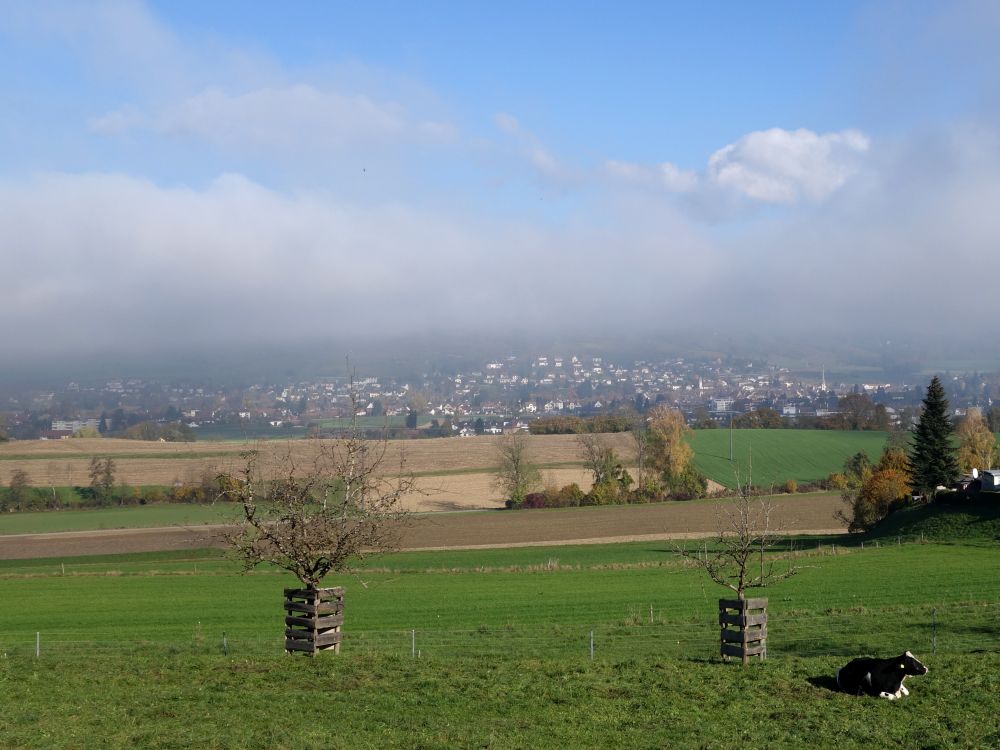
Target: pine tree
[(932, 456)]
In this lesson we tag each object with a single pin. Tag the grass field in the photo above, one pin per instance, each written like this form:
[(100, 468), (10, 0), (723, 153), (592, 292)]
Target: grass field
[(532, 602), (777, 455), (161, 701), (134, 517), (131, 652)]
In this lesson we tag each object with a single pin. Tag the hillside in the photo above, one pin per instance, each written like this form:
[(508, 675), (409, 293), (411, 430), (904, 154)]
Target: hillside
[(977, 519)]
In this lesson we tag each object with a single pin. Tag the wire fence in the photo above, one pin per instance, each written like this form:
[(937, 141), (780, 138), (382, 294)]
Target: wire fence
[(957, 628)]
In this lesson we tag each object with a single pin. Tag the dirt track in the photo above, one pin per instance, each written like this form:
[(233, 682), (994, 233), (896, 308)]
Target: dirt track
[(794, 514)]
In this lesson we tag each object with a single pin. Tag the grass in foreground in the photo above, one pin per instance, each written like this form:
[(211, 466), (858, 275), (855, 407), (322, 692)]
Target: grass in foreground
[(638, 600), (357, 701)]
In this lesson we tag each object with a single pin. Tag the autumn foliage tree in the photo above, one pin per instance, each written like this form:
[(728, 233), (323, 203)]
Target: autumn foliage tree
[(977, 446), (670, 453), (873, 492)]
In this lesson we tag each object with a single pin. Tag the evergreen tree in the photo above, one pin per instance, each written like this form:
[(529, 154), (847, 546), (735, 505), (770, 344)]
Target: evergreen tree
[(932, 456)]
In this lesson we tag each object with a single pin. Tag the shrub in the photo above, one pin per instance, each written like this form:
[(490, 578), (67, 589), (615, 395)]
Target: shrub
[(534, 500), (836, 481), (687, 485), (883, 492), (790, 486)]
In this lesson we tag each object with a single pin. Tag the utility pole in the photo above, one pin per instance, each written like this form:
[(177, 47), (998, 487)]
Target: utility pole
[(730, 437)]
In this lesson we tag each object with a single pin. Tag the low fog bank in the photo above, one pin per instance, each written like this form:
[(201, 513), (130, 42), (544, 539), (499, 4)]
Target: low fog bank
[(863, 359)]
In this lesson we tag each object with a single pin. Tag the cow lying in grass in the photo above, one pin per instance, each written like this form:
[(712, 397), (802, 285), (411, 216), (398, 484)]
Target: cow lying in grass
[(879, 677)]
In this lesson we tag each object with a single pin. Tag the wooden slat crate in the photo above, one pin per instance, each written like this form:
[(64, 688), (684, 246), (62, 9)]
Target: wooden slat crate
[(743, 628), (313, 621)]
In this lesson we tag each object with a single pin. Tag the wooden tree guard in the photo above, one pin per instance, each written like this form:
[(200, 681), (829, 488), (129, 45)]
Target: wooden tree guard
[(312, 620), (743, 628)]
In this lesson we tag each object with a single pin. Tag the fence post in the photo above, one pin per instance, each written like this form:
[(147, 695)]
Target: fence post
[(38, 644), (225, 644), (934, 630), (413, 643), (650, 614), (591, 645)]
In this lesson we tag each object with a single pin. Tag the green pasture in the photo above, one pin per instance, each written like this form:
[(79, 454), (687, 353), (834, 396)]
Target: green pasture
[(533, 602), (777, 455), (132, 651), (137, 699)]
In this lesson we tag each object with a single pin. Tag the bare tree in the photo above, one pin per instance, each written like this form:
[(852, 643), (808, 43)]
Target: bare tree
[(738, 560), (611, 479), (640, 436), (598, 457), (516, 474), (322, 517), (19, 492), (745, 536)]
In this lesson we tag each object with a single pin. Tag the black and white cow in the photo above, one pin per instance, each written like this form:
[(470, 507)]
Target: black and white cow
[(879, 677)]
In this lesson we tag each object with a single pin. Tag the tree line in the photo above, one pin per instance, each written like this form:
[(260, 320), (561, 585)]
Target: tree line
[(663, 456), (104, 490), (919, 468)]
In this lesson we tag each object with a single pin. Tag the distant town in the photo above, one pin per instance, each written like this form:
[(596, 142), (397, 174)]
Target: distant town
[(504, 393)]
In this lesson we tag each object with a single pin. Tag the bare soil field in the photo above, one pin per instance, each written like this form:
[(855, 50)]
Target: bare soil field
[(793, 514), (476, 491)]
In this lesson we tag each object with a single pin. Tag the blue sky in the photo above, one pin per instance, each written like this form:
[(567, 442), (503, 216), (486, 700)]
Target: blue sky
[(507, 159)]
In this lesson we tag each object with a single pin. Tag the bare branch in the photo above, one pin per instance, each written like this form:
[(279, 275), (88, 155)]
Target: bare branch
[(323, 517), (745, 532)]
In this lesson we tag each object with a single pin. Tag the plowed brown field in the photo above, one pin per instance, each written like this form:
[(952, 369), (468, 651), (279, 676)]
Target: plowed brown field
[(793, 514)]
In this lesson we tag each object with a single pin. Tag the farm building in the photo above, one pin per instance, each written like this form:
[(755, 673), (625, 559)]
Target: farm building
[(990, 479)]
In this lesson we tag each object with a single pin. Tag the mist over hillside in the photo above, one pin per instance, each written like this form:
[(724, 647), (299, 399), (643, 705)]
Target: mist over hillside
[(408, 357)]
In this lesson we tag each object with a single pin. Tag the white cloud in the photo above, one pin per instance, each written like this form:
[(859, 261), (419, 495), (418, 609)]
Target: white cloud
[(782, 166), (296, 117), (121, 37), (770, 166), (530, 148), (95, 259), (665, 176), (109, 259)]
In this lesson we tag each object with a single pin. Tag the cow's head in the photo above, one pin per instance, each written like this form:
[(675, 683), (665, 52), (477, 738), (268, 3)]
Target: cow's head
[(911, 665)]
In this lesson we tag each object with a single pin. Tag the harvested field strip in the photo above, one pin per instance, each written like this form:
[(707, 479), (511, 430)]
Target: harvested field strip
[(459, 472), (795, 513), (117, 455)]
